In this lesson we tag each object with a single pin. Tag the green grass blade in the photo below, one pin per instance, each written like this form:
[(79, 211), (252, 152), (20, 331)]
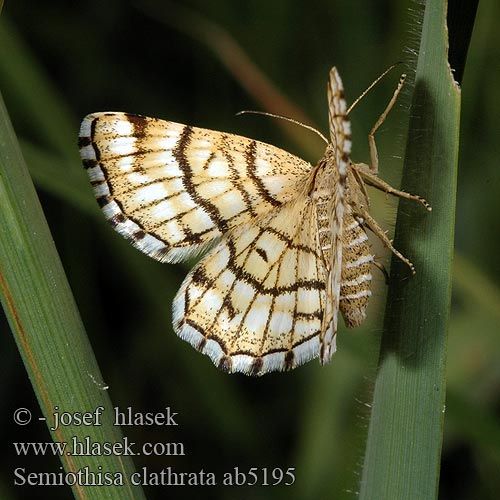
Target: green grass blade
[(46, 324), (405, 435)]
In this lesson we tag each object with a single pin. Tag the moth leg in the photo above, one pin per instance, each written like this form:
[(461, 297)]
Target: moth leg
[(357, 173), (376, 182), (371, 136), (372, 224), (382, 268)]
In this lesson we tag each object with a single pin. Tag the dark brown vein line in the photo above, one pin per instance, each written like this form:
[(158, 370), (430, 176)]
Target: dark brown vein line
[(294, 318), (146, 206), (110, 157), (136, 187), (179, 153), (257, 284), (250, 155), (266, 333), (236, 176)]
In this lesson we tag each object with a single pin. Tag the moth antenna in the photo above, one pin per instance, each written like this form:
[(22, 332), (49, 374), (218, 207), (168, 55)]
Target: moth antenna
[(390, 68), (291, 120)]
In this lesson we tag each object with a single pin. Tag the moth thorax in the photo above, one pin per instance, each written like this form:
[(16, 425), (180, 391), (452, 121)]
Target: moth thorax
[(356, 276)]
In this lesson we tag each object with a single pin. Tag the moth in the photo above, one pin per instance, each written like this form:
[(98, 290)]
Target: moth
[(284, 243)]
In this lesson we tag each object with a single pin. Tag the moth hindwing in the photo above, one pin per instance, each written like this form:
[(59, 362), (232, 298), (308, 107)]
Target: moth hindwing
[(284, 242)]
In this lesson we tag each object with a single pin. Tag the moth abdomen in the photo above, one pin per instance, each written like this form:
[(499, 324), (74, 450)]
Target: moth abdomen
[(356, 273)]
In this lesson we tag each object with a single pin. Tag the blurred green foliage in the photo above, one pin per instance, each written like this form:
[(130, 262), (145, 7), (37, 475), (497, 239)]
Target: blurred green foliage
[(62, 60)]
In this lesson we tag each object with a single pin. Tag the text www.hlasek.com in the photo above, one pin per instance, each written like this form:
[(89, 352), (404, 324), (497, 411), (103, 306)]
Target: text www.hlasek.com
[(90, 448)]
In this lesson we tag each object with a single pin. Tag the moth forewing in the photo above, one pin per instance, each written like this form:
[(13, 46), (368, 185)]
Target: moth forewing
[(285, 242), (172, 189)]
